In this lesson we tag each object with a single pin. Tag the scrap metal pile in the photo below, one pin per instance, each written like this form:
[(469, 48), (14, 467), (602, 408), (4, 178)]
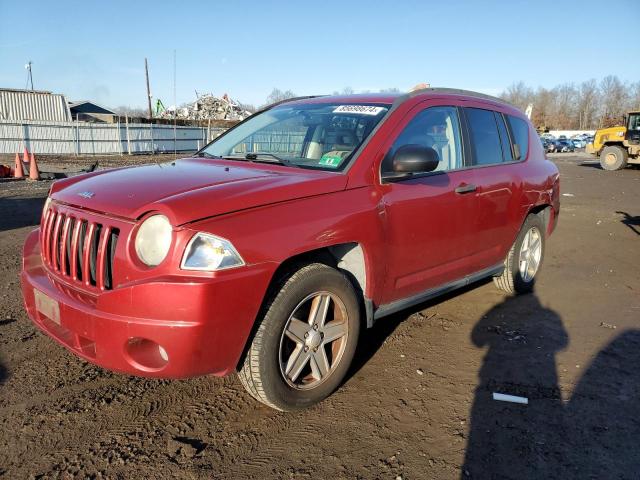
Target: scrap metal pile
[(209, 107)]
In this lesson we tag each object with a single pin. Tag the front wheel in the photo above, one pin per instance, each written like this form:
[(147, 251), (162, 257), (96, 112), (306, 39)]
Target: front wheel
[(523, 262), (613, 158), (305, 341)]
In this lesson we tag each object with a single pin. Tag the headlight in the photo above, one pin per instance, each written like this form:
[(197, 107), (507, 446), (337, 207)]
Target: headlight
[(208, 252), (153, 240)]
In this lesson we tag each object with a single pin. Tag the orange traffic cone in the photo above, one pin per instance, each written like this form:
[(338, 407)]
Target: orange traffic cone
[(25, 161), (18, 171), (34, 173)]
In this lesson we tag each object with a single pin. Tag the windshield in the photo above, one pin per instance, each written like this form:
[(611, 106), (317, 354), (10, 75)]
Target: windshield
[(634, 121), (320, 136)]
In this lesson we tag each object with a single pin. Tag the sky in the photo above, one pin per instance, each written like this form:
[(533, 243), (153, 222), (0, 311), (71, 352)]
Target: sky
[(91, 50)]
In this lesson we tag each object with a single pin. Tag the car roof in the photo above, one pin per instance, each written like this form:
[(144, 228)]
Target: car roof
[(399, 97), (383, 98)]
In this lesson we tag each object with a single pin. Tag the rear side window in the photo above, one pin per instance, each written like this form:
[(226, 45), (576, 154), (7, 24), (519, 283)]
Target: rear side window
[(520, 130), (484, 136)]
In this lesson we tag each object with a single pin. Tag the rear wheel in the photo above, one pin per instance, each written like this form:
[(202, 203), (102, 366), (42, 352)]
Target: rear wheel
[(523, 262), (306, 340), (613, 158)]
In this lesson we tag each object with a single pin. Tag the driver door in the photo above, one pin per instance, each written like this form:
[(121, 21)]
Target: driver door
[(428, 217)]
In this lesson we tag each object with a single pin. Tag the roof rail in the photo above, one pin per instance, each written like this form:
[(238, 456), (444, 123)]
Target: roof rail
[(457, 91), (292, 99)]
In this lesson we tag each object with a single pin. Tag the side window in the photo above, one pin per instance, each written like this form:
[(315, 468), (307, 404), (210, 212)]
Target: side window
[(520, 130), (507, 153), (484, 136), (434, 127)]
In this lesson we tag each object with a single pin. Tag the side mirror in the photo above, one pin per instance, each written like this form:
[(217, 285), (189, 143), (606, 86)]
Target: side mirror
[(410, 159)]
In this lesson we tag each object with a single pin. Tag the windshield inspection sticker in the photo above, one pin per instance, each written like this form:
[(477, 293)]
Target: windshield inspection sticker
[(332, 161), (361, 109)]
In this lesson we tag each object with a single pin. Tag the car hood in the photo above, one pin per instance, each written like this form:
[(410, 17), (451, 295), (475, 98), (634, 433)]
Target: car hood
[(192, 189)]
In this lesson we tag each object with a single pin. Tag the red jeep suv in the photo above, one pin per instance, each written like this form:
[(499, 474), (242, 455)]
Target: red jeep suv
[(267, 251)]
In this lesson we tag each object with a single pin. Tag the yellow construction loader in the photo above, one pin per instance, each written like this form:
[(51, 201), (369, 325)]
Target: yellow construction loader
[(618, 146)]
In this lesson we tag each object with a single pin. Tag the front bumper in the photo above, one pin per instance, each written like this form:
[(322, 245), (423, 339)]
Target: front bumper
[(202, 323)]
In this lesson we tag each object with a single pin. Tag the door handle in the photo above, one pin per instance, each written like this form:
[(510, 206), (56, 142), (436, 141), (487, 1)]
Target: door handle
[(466, 188)]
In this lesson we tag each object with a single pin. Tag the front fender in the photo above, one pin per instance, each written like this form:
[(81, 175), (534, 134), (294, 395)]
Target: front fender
[(278, 232)]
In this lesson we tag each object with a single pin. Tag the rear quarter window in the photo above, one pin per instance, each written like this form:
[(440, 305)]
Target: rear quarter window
[(520, 131)]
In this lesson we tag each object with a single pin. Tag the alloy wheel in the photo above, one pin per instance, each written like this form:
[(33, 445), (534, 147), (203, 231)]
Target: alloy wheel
[(530, 254), (313, 340)]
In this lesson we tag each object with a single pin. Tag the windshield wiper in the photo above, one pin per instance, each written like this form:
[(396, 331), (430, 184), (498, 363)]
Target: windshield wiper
[(221, 157), (276, 159)]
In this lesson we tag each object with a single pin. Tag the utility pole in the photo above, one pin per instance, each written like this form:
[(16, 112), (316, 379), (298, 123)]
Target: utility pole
[(146, 72), (29, 74)]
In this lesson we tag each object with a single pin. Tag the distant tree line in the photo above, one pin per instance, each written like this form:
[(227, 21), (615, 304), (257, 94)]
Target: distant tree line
[(587, 106), (134, 112)]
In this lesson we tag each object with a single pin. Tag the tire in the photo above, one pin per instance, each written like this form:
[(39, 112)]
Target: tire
[(264, 372), (513, 280), (613, 158)]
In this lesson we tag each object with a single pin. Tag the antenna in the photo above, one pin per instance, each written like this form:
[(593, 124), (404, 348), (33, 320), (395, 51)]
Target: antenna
[(29, 75), (146, 72), (175, 108)]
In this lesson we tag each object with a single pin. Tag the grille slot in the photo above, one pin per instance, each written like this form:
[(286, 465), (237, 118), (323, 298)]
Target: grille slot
[(79, 249)]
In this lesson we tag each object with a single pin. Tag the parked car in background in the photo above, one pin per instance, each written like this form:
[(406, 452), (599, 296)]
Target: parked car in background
[(267, 257), (578, 142), (563, 145), (548, 145)]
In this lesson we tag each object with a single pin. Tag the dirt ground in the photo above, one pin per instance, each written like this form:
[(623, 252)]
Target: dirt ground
[(417, 403)]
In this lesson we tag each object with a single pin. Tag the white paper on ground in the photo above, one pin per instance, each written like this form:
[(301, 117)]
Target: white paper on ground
[(510, 398)]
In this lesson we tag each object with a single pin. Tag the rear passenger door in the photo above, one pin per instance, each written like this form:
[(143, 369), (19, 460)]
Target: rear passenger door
[(495, 164)]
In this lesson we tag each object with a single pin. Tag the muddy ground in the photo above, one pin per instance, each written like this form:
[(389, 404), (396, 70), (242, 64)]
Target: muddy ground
[(417, 403)]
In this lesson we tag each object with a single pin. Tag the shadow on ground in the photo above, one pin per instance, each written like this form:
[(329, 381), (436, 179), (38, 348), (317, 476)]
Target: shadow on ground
[(20, 212), (591, 163), (372, 339), (508, 440), (632, 222), (596, 164)]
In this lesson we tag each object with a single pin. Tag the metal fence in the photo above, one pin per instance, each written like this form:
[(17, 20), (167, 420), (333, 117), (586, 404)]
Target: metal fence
[(83, 138), (273, 141)]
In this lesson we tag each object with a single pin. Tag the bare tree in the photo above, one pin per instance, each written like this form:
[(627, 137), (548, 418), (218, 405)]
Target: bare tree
[(633, 103), (565, 103), (345, 91), (390, 90), (278, 95), (588, 101), (248, 107), (614, 99), (124, 110), (543, 108), (518, 94)]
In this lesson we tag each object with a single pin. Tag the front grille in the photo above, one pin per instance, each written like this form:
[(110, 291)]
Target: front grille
[(79, 249)]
